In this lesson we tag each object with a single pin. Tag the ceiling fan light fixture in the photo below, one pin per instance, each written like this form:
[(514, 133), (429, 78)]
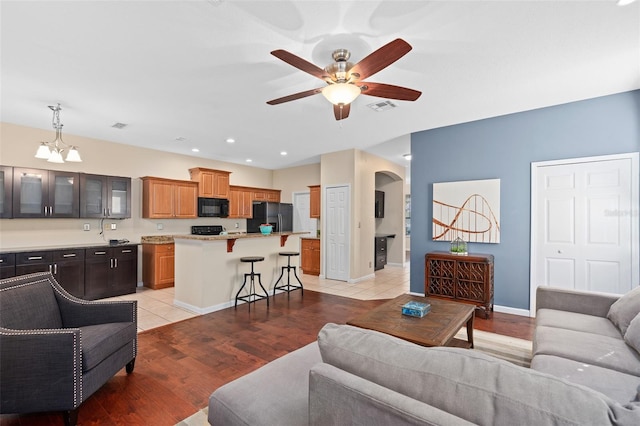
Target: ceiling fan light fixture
[(341, 93)]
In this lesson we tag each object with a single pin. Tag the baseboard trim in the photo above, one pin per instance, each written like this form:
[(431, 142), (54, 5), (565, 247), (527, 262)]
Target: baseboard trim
[(203, 311), (357, 280), (513, 311)]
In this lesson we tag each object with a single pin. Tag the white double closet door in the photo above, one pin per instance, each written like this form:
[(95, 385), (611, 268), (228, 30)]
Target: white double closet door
[(584, 224)]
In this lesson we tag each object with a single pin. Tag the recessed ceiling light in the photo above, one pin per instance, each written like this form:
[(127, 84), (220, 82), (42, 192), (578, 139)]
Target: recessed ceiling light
[(283, 153), (230, 140), (195, 150), (407, 157), (248, 160)]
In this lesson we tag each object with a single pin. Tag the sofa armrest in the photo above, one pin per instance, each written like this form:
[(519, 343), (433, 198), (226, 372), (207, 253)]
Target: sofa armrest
[(77, 312), (337, 397), (41, 370), (577, 301)]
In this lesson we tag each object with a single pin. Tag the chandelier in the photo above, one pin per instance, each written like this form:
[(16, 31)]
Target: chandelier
[(52, 151)]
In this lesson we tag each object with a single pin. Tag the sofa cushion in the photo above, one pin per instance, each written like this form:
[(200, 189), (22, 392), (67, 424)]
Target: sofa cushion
[(618, 386), (468, 384), (28, 302), (625, 309), (632, 336), (603, 351), (100, 341), (577, 322), (274, 394)]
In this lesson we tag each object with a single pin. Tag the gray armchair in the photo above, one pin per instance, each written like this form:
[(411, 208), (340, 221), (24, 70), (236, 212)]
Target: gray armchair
[(56, 350)]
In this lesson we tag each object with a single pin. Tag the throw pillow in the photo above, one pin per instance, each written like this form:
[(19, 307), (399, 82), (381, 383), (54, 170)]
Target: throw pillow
[(632, 336), (473, 386), (625, 309)]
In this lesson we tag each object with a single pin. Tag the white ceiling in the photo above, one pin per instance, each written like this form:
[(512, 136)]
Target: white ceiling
[(201, 70)]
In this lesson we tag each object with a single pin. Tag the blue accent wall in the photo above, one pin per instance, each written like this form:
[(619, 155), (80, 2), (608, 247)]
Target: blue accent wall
[(504, 148)]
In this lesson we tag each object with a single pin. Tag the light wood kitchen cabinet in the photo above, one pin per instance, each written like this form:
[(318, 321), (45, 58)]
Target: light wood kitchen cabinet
[(169, 199), (211, 183), (158, 265), (240, 203), (314, 201), (310, 259), (271, 195)]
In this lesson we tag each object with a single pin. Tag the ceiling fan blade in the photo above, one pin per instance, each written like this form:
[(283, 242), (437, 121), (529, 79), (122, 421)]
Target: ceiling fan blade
[(341, 111), (295, 96), (301, 64), (381, 58), (389, 91)]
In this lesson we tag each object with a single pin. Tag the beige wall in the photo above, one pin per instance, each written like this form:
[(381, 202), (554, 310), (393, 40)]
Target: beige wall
[(17, 148), (358, 169), (296, 179)]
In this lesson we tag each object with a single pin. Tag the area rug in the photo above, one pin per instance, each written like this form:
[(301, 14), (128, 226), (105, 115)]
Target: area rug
[(516, 351)]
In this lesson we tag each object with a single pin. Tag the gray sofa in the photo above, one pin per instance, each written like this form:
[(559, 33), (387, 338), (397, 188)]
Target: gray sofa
[(356, 376), (587, 339)]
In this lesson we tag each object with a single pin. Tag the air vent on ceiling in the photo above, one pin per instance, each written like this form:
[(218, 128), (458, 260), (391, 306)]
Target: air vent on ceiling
[(119, 125), (382, 106)]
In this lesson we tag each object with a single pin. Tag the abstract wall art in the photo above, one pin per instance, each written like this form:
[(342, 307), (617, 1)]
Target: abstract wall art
[(469, 210)]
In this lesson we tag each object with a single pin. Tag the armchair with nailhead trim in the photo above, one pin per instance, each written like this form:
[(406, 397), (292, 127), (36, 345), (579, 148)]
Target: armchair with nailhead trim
[(56, 350)]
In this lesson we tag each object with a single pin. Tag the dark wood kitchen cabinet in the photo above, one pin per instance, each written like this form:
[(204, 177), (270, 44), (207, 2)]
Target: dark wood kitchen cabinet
[(105, 196), (380, 253), (7, 265), (110, 271), (45, 193), (6, 191), (379, 204), (66, 265), (467, 279)]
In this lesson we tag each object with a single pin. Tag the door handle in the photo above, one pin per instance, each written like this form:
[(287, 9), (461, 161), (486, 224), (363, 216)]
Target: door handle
[(69, 255), (34, 258), (100, 252), (55, 269), (115, 262)]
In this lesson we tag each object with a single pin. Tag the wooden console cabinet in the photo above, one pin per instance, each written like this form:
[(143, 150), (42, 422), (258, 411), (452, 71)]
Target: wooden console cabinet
[(467, 279)]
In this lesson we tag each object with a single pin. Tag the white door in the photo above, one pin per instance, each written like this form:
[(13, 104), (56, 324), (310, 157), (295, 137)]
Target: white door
[(584, 229), (301, 210), (336, 232)]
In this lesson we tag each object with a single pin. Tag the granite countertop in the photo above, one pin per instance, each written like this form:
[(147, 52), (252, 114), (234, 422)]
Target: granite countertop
[(64, 247), (156, 239), (235, 236)]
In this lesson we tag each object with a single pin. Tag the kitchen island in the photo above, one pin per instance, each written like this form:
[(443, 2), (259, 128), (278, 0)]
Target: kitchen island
[(208, 271)]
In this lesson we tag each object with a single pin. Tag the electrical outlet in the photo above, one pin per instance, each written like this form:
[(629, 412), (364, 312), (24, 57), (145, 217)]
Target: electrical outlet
[(237, 225), (86, 227), (114, 227), (159, 226)]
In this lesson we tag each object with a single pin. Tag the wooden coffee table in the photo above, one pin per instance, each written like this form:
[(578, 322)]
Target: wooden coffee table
[(437, 328)]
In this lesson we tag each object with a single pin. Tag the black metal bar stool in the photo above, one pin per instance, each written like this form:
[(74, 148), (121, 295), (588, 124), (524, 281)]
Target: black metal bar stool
[(288, 287), (252, 297)]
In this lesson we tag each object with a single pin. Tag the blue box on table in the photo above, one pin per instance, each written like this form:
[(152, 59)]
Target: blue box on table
[(416, 309)]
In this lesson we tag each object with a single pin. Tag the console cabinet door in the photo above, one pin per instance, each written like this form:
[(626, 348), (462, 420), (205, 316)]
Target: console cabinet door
[(7, 265), (33, 261), (98, 263), (111, 271)]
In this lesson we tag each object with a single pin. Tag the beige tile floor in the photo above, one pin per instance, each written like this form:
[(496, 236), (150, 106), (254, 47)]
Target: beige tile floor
[(155, 307)]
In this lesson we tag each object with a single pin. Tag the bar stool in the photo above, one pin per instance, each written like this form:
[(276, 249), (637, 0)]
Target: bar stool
[(288, 287), (252, 297)]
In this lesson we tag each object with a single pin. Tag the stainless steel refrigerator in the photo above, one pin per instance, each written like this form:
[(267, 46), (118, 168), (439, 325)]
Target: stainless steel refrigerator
[(279, 215)]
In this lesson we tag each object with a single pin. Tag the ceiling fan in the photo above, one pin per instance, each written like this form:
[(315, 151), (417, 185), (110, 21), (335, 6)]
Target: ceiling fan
[(345, 80)]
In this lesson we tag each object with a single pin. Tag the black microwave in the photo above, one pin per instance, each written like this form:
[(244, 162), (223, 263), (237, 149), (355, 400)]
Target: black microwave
[(213, 207)]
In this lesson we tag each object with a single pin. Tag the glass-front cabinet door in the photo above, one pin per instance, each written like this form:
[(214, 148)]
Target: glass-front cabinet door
[(45, 193), (6, 189), (105, 196)]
